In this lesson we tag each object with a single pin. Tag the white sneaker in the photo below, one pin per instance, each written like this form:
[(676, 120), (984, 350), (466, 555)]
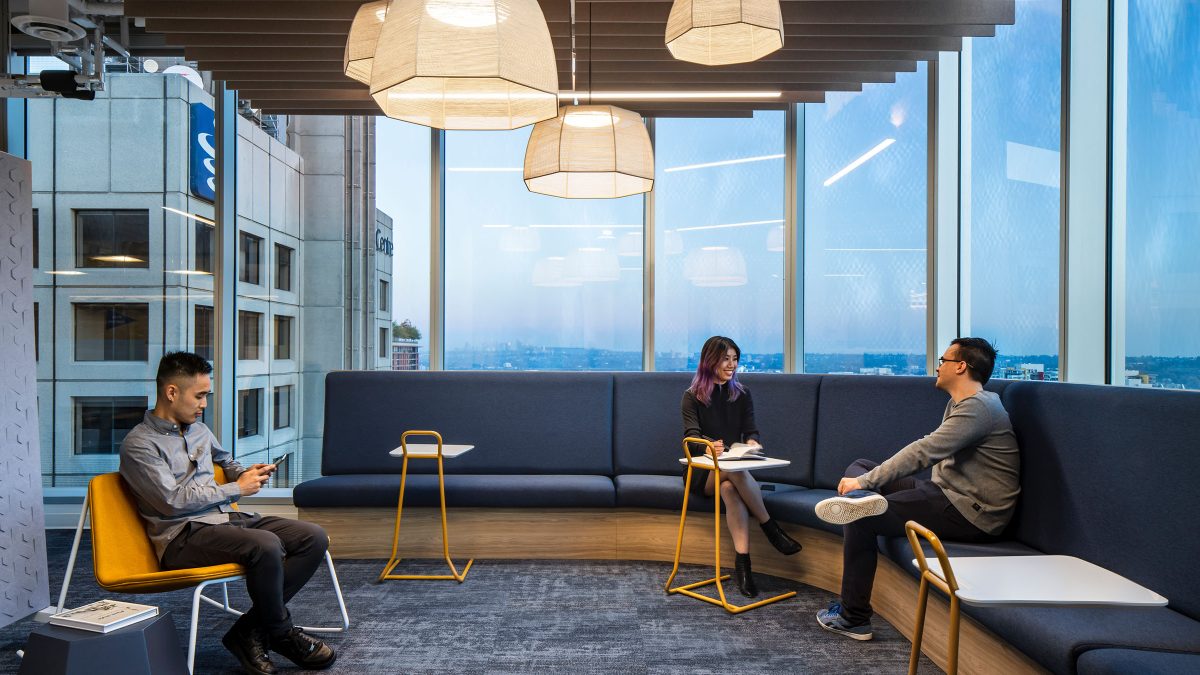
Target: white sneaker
[(851, 506)]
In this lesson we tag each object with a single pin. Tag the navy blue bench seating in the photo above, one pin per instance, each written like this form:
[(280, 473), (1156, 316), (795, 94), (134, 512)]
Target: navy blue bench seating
[(1105, 473)]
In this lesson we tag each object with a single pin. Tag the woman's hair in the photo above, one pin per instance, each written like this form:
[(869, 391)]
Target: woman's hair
[(711, 354)]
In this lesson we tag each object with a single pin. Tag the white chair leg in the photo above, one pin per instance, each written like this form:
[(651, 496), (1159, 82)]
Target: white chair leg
[(337, 590), (62, 596), (196, 596)]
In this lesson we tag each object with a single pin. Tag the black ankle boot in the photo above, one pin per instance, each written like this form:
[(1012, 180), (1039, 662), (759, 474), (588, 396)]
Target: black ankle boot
[(780, 539), (744, 575)]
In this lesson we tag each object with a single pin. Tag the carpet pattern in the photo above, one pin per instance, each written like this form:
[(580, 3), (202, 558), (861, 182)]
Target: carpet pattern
[(526, 617)]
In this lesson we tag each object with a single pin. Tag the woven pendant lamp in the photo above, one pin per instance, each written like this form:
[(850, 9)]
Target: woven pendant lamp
[(590, 152), (360, 44), (721, 32), (465, 64)]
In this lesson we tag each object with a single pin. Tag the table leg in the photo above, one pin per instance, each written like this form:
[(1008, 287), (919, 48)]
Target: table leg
[(454, 575), (689, 589)]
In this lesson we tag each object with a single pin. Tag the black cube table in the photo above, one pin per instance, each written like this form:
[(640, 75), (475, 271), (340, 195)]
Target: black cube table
[(149, 647)]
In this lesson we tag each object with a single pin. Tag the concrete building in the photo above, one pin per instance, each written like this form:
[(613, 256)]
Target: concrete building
[(123, 272)]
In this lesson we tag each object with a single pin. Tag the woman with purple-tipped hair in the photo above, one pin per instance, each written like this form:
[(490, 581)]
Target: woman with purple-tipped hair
[(718, 408)]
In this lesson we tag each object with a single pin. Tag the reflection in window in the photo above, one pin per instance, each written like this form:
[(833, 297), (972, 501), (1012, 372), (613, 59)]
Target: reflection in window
[(118, 332), (249, 335), (102, 422), (36, 238), (719, 201), (383, 342), (864, 196), (283, 407), (535, 282), (1013, 214), (206, 241), (383, 295), (1162, 212), (283, 267), (205, 331), (249, 258), (112, 239), (249, 410), (283, 337)]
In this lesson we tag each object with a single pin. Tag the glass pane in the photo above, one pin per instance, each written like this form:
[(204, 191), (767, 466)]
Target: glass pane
[(718, 253), (1162, 277), (111, 332), (1012, 209), (535, 282), (402, 164), (864, 197), (107, 239), (102, 422)]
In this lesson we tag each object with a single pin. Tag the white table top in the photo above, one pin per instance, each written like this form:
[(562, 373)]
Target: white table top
[(429, 451), (738, 464), (1042, 580)]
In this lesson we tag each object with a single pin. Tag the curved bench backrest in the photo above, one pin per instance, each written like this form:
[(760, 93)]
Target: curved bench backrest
[(1107, 475)]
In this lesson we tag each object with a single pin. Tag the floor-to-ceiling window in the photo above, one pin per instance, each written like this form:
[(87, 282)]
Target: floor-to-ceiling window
[(864, 229), (535, 282), (402, 192), (1012, 111), (719, 239), (1161, 177)]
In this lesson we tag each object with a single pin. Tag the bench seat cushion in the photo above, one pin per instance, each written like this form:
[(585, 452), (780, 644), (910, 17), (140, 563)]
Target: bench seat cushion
[(1143, 662), (462, 490), (900, 552), (792, 504), (643, 491), (1056, 636)]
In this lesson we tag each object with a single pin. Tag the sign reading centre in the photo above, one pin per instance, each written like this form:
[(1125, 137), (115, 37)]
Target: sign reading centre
[(202, 176)]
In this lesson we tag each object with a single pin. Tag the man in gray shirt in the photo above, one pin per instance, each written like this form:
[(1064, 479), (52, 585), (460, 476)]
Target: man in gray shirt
[(167, 461), (971, 497)]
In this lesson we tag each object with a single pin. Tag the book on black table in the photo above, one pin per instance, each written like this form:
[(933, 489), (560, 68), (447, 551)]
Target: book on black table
[(104, 616)]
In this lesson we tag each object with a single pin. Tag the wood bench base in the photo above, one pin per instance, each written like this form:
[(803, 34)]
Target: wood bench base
[(649, 534)]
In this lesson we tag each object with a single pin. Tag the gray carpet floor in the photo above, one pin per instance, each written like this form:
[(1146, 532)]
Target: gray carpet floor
[(527, 617)]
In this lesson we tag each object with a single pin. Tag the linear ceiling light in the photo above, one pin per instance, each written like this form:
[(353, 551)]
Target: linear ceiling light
[(666, 95), (722, 226), (883, 145), (585, 227), (484, 169), (724, 162), (721, 32), (465, 64)]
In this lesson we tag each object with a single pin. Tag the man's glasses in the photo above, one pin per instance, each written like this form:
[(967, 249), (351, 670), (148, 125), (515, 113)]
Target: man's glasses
[(942, 359)]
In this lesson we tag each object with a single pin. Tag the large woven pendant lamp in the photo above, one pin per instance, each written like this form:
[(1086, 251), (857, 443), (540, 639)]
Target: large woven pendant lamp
[(465, 64), (590, 152), (364, 35), (721, 32)]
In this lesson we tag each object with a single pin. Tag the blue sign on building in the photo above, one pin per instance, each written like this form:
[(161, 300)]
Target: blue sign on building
[(203, 172)]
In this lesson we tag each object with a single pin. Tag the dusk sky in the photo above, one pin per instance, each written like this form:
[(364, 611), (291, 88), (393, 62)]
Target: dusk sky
[(546, 271)]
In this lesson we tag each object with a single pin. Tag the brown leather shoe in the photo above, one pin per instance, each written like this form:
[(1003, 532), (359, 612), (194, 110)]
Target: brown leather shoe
[(304, 650), (250, 648)]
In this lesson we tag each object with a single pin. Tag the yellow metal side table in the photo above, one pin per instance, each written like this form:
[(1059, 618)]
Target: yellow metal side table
[(425, 451), (708, 462)]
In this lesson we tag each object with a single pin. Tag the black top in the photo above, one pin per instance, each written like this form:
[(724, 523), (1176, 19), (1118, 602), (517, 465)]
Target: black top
[(722, 419)]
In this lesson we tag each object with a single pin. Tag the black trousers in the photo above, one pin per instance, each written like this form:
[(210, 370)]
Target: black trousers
[(279, 554), (908, 499)]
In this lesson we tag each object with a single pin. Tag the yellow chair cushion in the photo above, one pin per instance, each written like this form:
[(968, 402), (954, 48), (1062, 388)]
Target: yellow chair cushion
[(123, 557)]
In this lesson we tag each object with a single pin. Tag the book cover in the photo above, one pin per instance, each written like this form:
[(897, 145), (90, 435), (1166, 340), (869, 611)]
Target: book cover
[(104, 615)]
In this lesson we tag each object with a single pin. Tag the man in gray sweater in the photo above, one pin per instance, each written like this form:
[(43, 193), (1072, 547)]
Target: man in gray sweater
[(971, 497)]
